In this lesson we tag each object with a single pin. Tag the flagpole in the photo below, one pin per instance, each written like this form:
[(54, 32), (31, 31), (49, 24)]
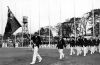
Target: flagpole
[(60, 19), (82, 26), (30, 32), (22, 36), (15, 40), (49, 19), (93, 17), (39, 17), (22, 28), (99, 26), (2, 23), (30, 27), (74, 20), (15, 34)]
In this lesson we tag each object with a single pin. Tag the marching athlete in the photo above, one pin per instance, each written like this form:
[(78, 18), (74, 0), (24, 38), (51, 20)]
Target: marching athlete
[(61, 44), (37, 41), (72, 46)]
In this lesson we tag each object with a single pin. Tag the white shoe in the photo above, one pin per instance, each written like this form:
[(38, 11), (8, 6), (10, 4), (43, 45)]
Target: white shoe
[(63, 55), (40, 60), (32, 63), (77, 54), (84, 55), (70, 54)]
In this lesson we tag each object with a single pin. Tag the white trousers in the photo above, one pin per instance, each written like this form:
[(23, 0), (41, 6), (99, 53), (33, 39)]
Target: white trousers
[(61, 53), (78, 48), (85, 50), (36, 55), (93, 49), (99, 48), (72, 50)]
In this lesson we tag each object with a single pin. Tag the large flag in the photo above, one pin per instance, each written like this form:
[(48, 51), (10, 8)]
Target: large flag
[(12, 24)]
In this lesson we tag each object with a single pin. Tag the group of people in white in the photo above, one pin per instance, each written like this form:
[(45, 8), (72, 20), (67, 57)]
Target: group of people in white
[(84, 45), (10, 45), (79, 46)]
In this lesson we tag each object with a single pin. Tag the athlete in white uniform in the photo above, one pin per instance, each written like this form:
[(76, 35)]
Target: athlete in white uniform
[(36, 44)]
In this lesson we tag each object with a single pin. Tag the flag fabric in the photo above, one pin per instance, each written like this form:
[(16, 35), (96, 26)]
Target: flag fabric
[(12, 24)]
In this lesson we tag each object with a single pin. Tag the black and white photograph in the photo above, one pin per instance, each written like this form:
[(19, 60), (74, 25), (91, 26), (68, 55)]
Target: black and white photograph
[(49, 32)]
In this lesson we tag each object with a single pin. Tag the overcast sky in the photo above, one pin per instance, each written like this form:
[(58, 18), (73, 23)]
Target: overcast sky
[(45, 11)]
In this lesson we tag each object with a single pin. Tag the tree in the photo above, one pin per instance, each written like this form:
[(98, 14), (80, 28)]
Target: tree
[(96, 29), (75, 24), (96, 18), (66, 29), (58, 28), (44, 31)]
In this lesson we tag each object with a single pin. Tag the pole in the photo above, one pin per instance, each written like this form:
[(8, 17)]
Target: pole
[(15, 40), (49, 19), (30, 29), (2, 22), (22, 36), (60, 18), (39, 17), (93, 18), (99, 27), (74, 20), (82, 25), (15, 34)]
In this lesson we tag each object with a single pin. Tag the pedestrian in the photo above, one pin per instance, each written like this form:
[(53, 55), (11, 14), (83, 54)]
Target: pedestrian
[(36, 42), (72, 46), (60, 45), (85, 48)]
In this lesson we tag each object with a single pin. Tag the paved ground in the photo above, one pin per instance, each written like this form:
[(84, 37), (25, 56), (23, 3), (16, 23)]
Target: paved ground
[(23, 56)]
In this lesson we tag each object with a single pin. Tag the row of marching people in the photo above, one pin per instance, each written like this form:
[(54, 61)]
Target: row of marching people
[(84, 45), (78, 46)]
